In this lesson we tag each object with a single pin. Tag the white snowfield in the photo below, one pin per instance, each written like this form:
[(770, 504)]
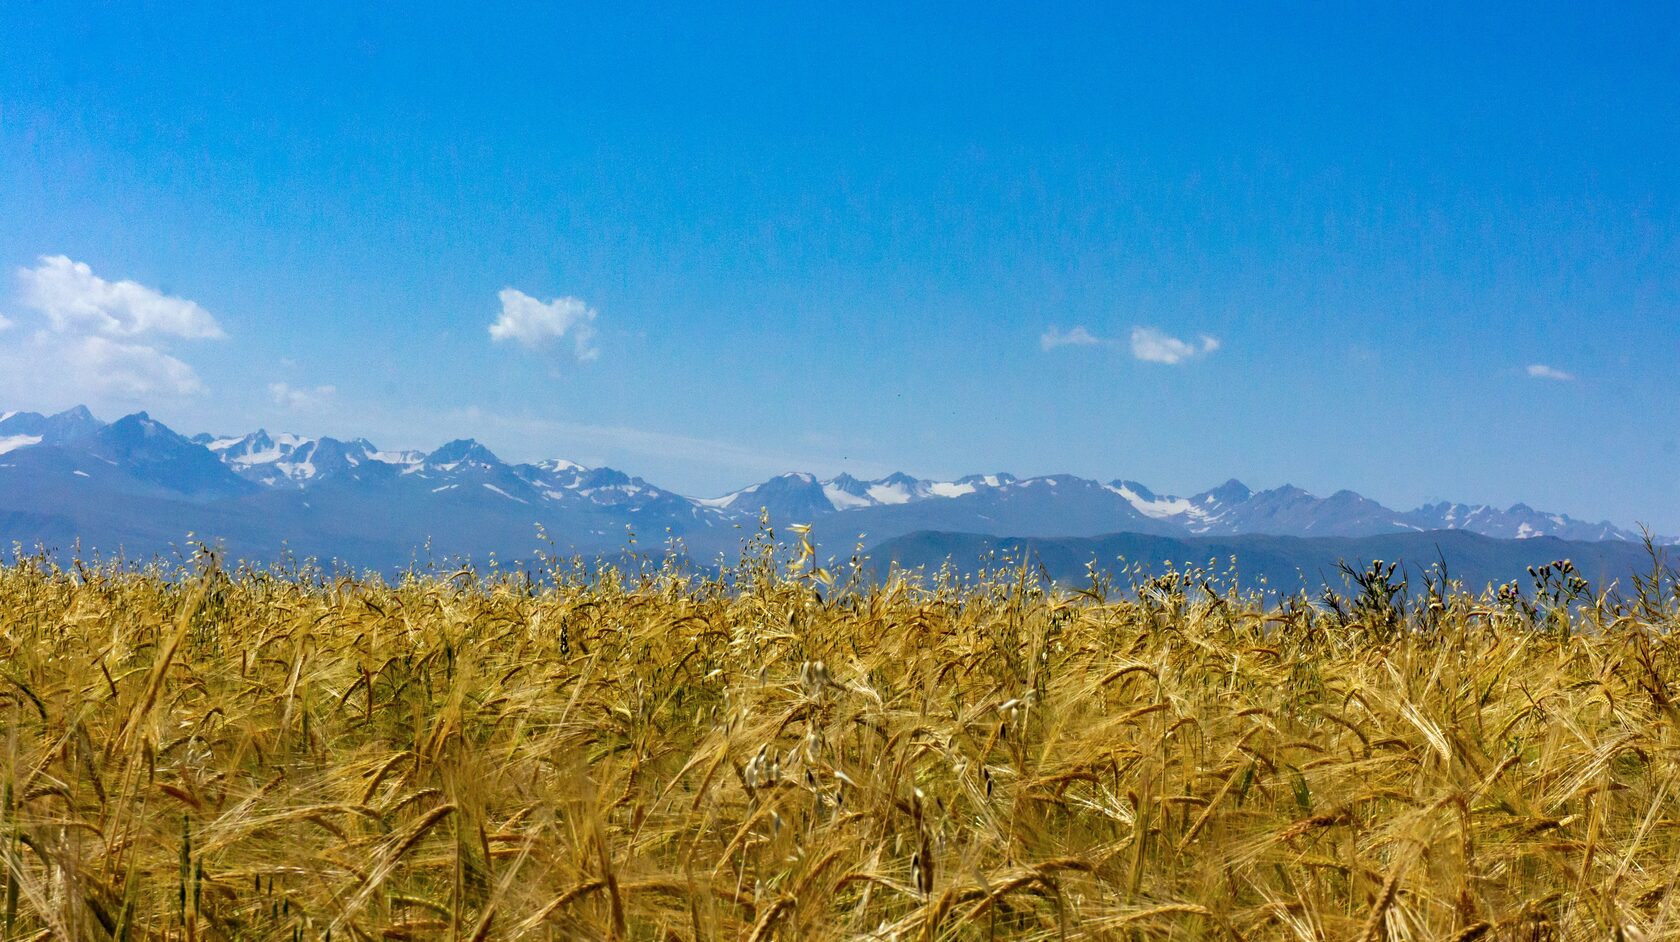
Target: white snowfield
[(840, 498), (496, 490), (1161, 508), (950, 489), (889, 494), (14, 442)]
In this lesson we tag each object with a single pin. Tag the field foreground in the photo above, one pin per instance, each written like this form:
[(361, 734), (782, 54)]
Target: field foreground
[(214, 755)]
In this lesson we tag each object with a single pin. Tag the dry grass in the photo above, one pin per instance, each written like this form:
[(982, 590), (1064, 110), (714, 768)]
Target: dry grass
[(246, 756)]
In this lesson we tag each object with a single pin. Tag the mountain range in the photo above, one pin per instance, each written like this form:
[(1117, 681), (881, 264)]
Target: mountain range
[(136, 486)]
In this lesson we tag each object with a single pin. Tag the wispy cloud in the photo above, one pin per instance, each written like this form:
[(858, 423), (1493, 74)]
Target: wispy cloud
[(299, 399), (588, 438), (98, 338), (1153, 346), (5, 322), (535, 324), (1147, 343), (1542, 371), (130, 370), (1074, 337)]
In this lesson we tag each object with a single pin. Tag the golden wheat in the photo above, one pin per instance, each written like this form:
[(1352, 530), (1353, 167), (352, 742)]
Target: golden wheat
[(649, 754)]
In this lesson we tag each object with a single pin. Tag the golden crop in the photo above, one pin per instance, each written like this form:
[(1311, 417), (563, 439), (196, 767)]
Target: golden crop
[(204, 754)]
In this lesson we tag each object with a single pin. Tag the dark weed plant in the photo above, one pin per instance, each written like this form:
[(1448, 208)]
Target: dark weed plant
[(791, 748)]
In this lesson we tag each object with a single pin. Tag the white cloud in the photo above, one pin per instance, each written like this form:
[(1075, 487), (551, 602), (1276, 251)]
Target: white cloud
[(76, 300), (291, 397), (108, 367), (534, 324), (97, 341), (1153, 346), (1542, 371), (1075, 337), (5, 322)]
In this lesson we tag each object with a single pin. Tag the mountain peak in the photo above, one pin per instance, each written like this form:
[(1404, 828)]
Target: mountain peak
[(141, 424), (995, 479), (63, 428), (1232, 491), (149, 451), (844, 483), (461, 450), (1135, 487), (795, 496)]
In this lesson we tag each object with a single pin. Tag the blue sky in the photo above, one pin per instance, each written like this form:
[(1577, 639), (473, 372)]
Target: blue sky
[(1420, 252)]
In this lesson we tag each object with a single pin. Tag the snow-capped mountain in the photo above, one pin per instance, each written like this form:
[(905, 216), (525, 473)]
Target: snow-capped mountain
[(282, 460), (463, 466), (1517, 522), (791, 497), (1287, 510), (21, 429), (848, 493), (1080, 506), (137, 483)]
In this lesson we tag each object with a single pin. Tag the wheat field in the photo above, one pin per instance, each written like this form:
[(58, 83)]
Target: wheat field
[(206, 752)]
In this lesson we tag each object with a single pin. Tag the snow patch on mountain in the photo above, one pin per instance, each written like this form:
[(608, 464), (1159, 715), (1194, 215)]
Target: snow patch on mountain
[(1160, 508), (496, 490), (398, 458), (14, 442), (843, 499), (950, 489), (889, 494)]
